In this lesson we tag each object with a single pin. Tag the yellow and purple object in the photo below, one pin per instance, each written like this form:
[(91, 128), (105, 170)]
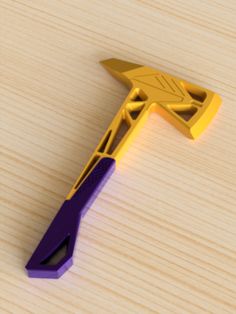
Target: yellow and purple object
[(187, 106)]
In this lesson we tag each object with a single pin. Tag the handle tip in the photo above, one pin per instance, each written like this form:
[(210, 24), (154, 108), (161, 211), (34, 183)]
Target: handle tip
[(52, 272)]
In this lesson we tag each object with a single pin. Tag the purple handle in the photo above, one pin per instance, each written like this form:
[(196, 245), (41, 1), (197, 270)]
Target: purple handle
[(63, 230)]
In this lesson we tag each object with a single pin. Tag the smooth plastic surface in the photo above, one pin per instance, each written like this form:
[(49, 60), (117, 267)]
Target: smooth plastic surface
[(64, 228)]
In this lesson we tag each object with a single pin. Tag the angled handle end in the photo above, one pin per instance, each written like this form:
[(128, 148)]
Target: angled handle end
[(54, 254)]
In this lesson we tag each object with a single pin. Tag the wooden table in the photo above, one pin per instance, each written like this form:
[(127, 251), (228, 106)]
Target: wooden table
[(161, 237)]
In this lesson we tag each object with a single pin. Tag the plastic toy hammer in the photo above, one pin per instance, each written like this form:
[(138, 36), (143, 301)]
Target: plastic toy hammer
[(187, 106)]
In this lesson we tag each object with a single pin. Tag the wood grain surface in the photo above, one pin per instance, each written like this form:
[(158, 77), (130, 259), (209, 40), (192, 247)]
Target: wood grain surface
[(161, 237)]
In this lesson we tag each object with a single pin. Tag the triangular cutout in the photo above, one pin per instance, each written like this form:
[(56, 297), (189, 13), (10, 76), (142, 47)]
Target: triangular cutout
[(199, 96), (186, 114), (137, 98), (136, 112), (58, 254), (122, 130), (138, 95), (87, 170), (195, 92), (104, 143)]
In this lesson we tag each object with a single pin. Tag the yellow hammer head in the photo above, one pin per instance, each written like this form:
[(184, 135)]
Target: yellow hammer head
[(187, 106)]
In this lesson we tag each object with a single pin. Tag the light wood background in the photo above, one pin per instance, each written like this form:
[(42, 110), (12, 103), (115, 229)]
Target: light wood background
[(161, 237)]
